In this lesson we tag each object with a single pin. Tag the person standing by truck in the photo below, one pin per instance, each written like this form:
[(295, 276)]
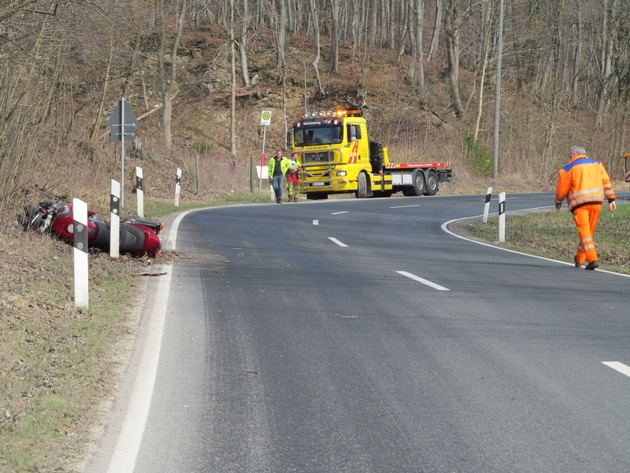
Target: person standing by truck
[(277, 169), (293, 177), (585, 184)]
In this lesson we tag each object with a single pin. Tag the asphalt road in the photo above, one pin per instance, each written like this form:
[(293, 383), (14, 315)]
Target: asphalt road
[(361, 336)]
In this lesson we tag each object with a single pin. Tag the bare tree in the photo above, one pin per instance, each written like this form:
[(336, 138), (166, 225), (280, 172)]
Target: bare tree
[(607, 77), (334, 45), (317, 46), (281, 26), (453, 20), (437, 25), (486, 35), (168, 78)]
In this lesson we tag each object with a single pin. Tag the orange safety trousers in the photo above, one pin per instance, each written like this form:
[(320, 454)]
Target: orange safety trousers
[(585, 218)]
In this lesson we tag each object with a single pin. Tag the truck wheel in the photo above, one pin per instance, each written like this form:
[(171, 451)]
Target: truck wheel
[(361, 186), (418, 183), (432, 184)]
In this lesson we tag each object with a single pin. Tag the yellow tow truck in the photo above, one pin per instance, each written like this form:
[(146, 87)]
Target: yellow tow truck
[(338, 158)]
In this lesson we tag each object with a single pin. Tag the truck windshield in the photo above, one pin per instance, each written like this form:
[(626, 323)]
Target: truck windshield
[(316, 136)]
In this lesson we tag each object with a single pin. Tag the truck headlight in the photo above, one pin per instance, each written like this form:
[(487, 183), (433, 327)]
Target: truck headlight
[(342, 173)]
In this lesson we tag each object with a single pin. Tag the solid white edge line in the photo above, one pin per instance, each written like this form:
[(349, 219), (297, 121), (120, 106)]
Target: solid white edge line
[(445, 229), (617, 366), (337, 242), (123, 458), (426, 282), (130, 437)]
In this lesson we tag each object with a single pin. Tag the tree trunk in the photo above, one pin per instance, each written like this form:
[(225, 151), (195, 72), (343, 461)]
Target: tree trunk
[(485, 48), (334, 46), (233, 87), (281, 35), (437, 25), (99, 113), (452, 21), (242, 44), (607, 53), (577, 56), (168, 81), (320, 89), (419, 17)]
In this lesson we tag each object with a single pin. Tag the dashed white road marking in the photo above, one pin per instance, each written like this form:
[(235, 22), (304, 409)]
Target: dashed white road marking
[(315, 222), (426, 282), (617, 366), (334, 240), (339, 213), (404, 206)]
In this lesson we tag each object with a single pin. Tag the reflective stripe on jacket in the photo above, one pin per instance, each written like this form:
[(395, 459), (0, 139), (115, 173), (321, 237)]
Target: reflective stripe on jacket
[(584, 181)]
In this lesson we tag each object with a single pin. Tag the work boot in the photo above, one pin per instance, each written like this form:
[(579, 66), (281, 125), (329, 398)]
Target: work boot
[(295, 199), (577, 265), (592, 265), (290, 197)]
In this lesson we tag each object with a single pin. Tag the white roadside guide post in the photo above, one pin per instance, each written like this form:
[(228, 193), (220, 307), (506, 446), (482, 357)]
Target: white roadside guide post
[(140, 192), (486, 207), (80, 245), (502, 217), (114, 227), (178, 178)]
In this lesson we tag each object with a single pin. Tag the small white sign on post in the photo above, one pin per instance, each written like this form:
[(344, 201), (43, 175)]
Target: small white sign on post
[(178, 178), (114, 226), (140, 191), (262, 172), (502, 217), (486, 207), (265, 118), (80, 245)]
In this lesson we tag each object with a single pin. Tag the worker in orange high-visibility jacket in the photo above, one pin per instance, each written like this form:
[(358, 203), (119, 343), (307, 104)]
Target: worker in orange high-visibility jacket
[(585, 184)]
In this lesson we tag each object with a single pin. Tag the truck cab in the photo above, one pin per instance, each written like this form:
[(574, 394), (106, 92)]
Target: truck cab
[(337, 156)]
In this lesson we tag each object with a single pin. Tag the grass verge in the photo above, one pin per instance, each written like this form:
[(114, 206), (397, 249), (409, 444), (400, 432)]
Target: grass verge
[(58, 364), (553, 235)]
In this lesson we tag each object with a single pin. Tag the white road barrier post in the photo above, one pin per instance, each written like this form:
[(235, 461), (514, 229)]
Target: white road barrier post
[(502, 217), (114, 226), (80, 245), (140, 192), (486, 207), (178, 178)]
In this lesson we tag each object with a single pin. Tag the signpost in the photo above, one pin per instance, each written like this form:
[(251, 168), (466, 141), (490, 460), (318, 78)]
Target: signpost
[(123, 125), (265, 121)]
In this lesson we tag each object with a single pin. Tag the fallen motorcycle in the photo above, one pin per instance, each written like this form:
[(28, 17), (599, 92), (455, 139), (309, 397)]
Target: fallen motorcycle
[(138, 237)]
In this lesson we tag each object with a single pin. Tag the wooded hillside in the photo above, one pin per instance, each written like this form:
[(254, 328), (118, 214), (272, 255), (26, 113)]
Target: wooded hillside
[(198, 73)]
